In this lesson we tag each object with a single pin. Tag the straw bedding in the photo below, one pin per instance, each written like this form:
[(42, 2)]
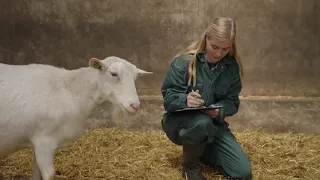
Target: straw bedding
[(109, 153)]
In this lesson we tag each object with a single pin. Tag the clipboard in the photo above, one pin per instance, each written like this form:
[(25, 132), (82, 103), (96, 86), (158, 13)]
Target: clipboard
[(199, 108)]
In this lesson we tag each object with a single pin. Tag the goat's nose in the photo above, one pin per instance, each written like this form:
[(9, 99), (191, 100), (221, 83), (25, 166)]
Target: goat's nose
[(135, 105)]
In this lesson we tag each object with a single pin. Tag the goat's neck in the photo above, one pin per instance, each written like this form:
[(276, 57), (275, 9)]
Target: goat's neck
[(83, 84)]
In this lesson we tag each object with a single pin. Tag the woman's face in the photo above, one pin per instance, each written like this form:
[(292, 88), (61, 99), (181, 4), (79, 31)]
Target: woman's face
[(216, 49)]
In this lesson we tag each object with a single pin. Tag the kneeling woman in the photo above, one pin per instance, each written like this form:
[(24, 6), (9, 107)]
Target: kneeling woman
[(207, 73)]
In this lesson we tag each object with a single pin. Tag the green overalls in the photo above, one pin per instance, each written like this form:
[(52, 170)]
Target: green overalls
[(220, 86)]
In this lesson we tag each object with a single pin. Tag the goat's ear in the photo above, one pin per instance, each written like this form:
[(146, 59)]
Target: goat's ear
[(96, 63), (142, 72)]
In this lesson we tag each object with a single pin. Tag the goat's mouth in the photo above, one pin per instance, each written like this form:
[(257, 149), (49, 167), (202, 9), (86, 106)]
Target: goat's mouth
[(130, 109)]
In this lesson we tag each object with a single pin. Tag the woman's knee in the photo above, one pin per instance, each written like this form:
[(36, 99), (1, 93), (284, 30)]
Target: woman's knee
[(243, 171), (245, 174), (200, 130), (172, 132)]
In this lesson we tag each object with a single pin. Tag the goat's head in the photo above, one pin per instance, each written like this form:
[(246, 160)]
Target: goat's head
[(117, 82)]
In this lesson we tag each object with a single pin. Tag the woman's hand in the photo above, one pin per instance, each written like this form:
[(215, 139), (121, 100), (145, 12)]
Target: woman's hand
[(193, 99), (212, 113)]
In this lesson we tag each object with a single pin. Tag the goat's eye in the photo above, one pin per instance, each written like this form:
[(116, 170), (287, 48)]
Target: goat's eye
[(113, 74)]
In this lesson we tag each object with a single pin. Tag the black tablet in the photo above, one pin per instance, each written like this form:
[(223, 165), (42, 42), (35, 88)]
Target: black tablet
[(198, 108)]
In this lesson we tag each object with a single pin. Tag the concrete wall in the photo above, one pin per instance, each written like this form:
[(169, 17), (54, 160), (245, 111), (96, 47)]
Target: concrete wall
[(278, 40)]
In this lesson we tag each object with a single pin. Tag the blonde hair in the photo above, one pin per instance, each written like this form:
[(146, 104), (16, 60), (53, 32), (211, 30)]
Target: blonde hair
[(220, 28)]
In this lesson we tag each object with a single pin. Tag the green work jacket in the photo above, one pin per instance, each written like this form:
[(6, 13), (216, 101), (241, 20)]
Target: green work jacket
[(218, 86)]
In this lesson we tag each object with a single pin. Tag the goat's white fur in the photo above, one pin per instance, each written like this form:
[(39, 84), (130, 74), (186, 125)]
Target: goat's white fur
[(45, 107)]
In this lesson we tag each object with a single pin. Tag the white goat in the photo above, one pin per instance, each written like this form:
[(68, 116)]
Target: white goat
[(46, 107)]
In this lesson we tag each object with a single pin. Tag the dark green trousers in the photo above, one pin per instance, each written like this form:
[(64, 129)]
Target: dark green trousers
[(222, 149)]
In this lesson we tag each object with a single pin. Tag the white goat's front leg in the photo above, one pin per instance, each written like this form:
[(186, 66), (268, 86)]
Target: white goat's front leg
[(36, 170), (44, 149)]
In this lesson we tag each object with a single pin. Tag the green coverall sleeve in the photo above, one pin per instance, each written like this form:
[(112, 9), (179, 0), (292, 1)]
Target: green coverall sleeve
[(232, 102), (174, 88)]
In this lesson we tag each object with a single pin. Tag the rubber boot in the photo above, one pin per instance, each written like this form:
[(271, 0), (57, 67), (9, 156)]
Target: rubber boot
[(191, 169)]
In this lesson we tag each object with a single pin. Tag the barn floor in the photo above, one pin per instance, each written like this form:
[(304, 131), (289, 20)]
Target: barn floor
[(108, 153)]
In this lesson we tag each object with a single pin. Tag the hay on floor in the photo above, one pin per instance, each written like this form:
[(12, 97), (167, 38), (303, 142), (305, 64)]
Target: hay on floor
[(109, 153)]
